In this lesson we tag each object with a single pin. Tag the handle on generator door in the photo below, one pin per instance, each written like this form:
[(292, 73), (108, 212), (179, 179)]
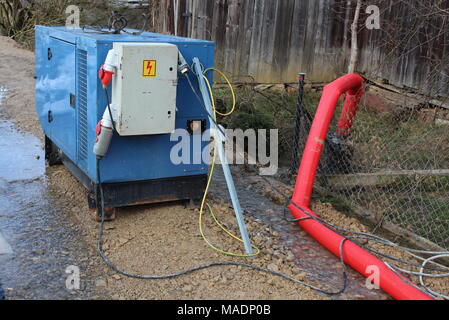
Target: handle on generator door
[(352, 84)]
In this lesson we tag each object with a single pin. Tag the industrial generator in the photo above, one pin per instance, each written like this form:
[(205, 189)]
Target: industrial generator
[(135, 83)]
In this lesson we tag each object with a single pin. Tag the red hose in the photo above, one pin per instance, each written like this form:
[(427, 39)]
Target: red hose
[(355, 256), (349, 111)]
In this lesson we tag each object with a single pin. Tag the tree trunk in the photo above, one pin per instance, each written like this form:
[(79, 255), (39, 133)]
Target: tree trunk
[(354, 45)]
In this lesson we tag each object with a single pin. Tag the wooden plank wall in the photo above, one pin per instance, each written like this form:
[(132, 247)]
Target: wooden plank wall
[(270, 41)]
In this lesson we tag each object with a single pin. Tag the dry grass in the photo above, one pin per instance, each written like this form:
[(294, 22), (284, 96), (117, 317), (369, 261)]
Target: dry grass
[(17, 21)]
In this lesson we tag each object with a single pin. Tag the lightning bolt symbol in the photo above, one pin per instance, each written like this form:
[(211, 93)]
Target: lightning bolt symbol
[(149, 67)]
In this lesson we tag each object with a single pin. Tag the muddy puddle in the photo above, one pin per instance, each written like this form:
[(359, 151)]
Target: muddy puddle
[(37, 242), (21, 155), (322, 267)]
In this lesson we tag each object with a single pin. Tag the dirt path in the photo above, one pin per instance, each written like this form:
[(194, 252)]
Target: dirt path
[(165, 239), (17, 74)]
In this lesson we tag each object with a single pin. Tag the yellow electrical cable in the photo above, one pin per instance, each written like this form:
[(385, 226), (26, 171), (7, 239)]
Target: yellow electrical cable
[(234, 100), (209, 181)]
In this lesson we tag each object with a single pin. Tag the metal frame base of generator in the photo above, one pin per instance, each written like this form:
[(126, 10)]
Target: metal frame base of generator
[(189, 188)]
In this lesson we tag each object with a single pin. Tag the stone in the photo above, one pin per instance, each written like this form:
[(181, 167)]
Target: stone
[(187, 288), (296, 271), (123, 241), (101, 283), (301, 276), (273, 267)]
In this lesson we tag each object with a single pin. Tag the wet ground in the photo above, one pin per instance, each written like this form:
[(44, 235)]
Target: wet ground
[(37, 241), (321, 267)]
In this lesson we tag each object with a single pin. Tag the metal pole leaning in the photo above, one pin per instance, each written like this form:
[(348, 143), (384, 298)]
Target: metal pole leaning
[(219, 140)]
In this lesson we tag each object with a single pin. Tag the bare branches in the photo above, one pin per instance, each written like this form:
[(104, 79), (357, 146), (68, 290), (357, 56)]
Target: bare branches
[(354, 44), (413, 39), (13, 16)]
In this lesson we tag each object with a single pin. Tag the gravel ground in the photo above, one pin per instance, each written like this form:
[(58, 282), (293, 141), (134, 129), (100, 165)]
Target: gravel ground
[(327, 212), (155, 239), (162, 239)]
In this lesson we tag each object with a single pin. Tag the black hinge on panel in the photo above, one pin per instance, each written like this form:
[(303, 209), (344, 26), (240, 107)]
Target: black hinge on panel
[(50, 116), (49, 54), (72, 100)]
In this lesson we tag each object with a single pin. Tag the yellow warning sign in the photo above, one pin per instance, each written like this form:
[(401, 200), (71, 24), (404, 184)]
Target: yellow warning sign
[(149, 68)]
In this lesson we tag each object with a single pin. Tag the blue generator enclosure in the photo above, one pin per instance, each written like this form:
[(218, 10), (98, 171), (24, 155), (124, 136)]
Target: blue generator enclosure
[(150, 99)]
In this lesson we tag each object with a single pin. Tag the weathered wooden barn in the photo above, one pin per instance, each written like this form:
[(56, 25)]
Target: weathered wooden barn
[(272, 40)]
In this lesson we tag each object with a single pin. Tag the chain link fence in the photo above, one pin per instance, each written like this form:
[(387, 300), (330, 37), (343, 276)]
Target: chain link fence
[(394, 166)]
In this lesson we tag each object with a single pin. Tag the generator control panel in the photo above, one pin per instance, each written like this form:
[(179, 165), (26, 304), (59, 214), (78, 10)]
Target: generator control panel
[(144, 88)]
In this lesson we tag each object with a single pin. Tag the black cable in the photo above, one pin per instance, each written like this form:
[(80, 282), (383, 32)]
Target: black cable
[(117, 22), (201, 267), (109, 108), (330, 226), (142, 30), (204, 266), (334, 228)]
